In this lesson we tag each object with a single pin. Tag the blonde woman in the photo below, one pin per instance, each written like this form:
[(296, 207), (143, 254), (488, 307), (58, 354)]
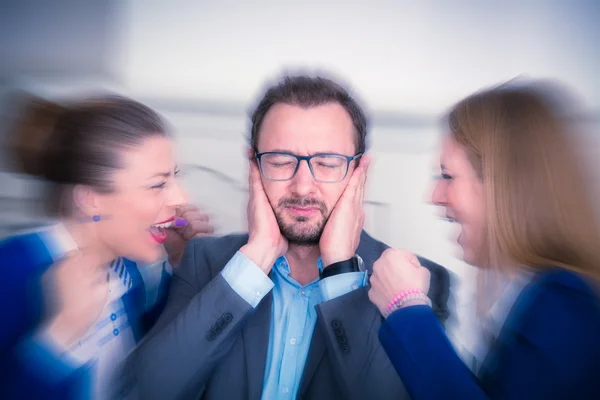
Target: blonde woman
[(514, 179)]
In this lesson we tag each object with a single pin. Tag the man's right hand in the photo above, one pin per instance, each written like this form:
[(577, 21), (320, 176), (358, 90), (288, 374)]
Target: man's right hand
[(265, 242)]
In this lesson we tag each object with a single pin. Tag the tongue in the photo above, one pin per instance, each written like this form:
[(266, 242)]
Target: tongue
[(160, 232)]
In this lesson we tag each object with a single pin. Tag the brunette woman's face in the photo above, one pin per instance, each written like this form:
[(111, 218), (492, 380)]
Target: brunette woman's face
[(146, 193)]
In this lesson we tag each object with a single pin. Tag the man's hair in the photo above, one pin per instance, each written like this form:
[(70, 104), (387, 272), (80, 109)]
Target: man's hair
[(307, 92)]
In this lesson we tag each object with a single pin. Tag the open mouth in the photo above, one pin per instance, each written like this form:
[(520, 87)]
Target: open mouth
[(158, 231)]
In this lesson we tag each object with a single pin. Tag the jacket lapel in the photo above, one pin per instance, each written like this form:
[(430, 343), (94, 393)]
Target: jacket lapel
[(256, 335), (315, 354), (369, 252)]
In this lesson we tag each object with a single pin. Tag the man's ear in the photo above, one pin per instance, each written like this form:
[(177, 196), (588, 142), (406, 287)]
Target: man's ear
[(86, 200), (365, 159)]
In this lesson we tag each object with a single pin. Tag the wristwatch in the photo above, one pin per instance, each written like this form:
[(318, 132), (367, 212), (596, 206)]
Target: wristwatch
[(354, 264)]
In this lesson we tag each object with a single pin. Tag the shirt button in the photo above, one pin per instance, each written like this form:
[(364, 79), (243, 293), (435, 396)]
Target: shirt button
[(285, 390), (354, 287), (293, 340), (258, 294), (303, 293)]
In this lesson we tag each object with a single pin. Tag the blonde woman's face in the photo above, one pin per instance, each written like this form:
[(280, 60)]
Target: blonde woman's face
[(460, 192)]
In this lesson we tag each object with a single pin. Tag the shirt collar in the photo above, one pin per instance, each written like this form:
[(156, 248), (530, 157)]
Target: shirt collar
[(282, 268), (501, 308)]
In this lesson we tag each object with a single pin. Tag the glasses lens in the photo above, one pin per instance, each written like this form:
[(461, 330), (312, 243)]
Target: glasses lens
[(329, 168), (278, 167)]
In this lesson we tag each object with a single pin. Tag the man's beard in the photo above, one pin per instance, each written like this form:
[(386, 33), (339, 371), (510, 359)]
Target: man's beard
[(300, 233)]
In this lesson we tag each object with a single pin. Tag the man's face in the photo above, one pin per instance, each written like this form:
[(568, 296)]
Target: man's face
[(302, 205)]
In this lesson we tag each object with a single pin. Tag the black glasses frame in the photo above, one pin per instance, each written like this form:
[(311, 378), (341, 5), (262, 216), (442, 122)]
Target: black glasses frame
[(349, 159)]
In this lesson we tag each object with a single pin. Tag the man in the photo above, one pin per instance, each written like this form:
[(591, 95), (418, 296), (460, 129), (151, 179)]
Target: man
[(283, 312)]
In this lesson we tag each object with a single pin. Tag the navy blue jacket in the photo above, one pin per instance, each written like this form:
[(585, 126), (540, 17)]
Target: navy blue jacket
[(28, 369), (548, 348)]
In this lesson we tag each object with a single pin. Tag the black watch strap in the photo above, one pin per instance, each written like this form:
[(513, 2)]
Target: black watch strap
[(340, 267)]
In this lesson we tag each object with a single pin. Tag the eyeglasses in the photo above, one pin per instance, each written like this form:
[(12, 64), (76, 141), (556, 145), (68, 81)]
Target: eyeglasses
[(330, 168)]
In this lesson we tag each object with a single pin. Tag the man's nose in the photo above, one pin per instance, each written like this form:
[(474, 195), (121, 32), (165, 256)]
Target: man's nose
[(303, 183)]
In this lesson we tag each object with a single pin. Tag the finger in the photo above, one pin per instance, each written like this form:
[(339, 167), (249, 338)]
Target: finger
[(358, 176), (197, 227), (425, 274), (374, 280), (412, 258), (364, 162), (351, 191), (363, 182), (403, 253), (379, 265), (194, 215), (185, 208), (255, 184), (354, 179), (371, 295), (389, 253), (179, 223), (360, 192), (198, 235)]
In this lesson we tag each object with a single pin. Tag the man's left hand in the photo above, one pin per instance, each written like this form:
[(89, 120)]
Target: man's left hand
[(341, 234), (190, 222)]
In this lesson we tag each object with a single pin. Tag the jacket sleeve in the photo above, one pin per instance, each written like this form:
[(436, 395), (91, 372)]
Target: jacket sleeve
[(198, 326), (532, 360), (348, 325), (32, 366)]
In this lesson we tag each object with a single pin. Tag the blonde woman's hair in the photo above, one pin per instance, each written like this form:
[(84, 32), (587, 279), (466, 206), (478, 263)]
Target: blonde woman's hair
[(523, 140)]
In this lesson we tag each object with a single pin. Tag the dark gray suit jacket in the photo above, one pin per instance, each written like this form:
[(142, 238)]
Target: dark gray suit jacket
[(210, 343)]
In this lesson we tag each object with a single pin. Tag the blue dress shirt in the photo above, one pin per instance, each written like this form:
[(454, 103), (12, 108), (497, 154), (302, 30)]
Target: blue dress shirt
[(293, 315)]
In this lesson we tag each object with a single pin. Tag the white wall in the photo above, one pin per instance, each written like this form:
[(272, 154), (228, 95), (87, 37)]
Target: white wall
[(415, 56)]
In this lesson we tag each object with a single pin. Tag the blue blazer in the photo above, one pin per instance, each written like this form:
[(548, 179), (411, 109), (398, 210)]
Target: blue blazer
[(548, 348), (29, 370)]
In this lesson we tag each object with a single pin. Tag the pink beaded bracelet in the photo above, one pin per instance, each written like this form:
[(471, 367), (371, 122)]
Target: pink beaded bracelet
[(402, 296)]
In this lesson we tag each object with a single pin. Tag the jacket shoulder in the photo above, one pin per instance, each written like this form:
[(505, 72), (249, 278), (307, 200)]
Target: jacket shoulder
[(216, 251), (23, 261), (26, 251)]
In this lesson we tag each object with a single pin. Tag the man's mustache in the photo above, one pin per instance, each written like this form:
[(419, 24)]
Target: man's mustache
[(302, 202)]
